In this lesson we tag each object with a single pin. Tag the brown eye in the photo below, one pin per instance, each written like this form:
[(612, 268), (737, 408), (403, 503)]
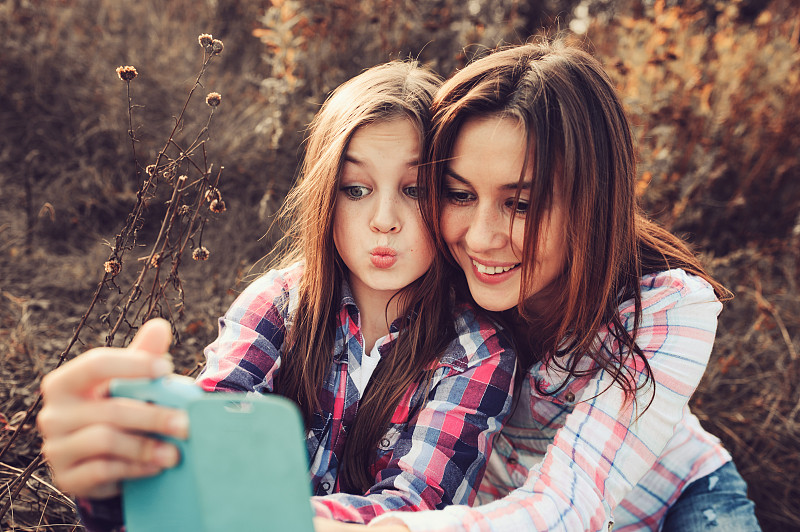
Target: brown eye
[(521, 207), (458, 197)]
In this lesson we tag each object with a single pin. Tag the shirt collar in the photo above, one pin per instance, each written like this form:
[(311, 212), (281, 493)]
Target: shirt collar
[(349, 309)]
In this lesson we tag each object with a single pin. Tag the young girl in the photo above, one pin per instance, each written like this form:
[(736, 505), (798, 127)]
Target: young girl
[(401, 391), (532, 191)]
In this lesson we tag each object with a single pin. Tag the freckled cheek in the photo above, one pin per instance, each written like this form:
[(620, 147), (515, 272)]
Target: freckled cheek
[(453, 225), (423, 245), (425, 257)]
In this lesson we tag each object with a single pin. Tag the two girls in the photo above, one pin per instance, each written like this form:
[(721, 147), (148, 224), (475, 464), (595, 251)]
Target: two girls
[(401, 390), (531, 189)]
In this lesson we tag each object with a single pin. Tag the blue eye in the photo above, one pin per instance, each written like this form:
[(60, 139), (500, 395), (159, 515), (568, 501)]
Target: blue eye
[(355, 192), (411, 192)]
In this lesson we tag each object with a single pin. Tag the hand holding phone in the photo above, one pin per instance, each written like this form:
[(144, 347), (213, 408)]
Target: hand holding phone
[(243, 466)]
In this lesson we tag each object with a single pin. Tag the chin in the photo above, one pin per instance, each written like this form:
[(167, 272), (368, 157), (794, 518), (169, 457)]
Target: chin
[(493, 302), (496, 307)]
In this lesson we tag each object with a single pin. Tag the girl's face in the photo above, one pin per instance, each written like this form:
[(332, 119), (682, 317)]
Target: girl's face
[(377, 226), (480, 185)]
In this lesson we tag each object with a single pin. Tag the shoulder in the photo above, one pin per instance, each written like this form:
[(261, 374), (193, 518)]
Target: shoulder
[(671, 290), (478, 339), (272, 293)]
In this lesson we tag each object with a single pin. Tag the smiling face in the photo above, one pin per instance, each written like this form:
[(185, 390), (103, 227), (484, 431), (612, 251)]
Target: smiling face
[(476, 220), (377, 226)]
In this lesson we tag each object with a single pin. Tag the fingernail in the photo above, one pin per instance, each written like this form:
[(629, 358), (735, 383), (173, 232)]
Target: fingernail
[(167, 455), (163, 366), (179, 424)]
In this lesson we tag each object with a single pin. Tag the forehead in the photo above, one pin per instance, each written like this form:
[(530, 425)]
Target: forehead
[(397, 135), (490, 149)]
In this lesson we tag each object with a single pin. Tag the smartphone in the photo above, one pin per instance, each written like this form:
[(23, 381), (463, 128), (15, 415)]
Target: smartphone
[(244, 465)]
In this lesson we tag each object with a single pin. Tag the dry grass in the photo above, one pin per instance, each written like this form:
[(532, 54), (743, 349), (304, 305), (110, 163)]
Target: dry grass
[(711, 93)]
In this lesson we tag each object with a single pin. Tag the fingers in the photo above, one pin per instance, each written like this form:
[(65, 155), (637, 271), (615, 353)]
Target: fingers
[(93, 441), (91, 461), (129, 415), (84, 375), (153, 337), (106, 443), (87, 376), (100, 478)]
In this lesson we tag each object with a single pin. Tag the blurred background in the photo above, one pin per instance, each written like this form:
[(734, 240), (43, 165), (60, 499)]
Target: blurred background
[(711, 87)]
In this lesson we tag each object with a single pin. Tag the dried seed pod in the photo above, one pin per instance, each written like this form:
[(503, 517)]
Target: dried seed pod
[(213, 99), (212, 194), (205, 39), (156, 258), (217, 206), (126, 73), (200, 253), (112, 266), (217, 46)]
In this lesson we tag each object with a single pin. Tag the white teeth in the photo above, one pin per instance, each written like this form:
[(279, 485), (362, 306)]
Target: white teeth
[(491, 270)]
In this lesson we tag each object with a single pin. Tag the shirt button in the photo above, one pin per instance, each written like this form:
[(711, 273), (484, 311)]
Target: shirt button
[(326, 486), (385, 443), (569, 397), (512, 461)]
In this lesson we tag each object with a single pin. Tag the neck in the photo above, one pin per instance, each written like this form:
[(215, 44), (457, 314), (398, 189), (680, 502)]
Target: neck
[(376, 316)]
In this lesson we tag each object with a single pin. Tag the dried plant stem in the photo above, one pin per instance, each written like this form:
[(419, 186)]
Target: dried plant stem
[(136, 291), (179, 119), (61, 358), (178, 228), (18, 483), (44, 483), (131, 132), (168, 220)]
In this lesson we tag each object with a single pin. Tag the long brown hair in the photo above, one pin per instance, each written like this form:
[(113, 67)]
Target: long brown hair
[(399, 89), (580, 145)]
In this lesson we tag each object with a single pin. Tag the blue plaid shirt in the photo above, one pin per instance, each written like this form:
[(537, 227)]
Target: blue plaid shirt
[(436, 449)]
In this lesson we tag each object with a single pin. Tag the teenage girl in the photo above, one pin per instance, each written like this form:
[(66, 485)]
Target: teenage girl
[(401, 390), (532, 190)]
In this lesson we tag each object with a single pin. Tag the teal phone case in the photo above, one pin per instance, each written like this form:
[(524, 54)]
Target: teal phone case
[(243, 467)]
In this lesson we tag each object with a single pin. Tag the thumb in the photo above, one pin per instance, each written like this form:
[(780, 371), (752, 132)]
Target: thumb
[(154, 337)]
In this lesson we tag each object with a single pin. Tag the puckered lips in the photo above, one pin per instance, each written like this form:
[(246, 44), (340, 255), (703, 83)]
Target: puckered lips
[(383, 257)]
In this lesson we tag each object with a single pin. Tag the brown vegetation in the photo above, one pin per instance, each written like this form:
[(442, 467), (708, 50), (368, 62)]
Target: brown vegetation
[(711, 87)]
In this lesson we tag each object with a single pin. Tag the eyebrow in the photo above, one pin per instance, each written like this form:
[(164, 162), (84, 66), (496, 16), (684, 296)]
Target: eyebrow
[(507, 186)]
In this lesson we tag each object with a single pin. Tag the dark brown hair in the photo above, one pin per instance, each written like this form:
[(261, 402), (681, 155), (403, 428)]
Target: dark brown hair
[(396, 90), (580, 146)]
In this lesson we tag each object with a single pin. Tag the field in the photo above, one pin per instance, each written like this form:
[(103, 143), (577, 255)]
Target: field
[(87, 251)]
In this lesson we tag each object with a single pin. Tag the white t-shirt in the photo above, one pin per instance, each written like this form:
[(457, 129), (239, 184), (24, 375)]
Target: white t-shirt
[(368, 364)]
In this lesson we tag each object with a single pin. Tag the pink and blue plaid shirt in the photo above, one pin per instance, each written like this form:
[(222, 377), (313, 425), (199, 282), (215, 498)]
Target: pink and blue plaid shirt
[(585, 459), (435, 452)]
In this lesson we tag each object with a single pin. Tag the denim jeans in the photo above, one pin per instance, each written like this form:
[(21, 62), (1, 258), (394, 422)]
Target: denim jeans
[(715, 503)]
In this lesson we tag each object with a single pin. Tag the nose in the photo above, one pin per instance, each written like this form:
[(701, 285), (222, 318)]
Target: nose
[(488, 230), (386, 216)]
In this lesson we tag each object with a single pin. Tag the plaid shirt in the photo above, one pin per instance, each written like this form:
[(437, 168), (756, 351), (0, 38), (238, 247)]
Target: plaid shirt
[(581, 459), (435, 451)]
